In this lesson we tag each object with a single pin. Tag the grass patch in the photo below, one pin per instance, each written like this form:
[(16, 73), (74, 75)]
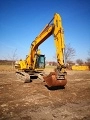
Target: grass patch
[(11, 68), (6, 68)]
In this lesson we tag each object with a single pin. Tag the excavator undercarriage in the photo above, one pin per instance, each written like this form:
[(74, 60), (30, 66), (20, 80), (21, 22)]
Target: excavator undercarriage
[(55, 78)]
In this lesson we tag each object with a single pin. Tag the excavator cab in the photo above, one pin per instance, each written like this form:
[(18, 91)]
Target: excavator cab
[(40, 61)]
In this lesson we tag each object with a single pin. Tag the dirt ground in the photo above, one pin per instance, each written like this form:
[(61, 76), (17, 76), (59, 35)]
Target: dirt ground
[(34, 101)]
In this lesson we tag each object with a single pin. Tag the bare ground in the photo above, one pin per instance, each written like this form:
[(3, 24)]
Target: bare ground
[(34, 101)]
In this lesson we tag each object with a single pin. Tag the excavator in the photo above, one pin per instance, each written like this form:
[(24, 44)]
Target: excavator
[(34, 64)]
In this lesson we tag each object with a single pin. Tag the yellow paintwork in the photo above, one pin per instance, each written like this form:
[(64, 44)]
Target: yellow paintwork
[(20, 65), (59, 38), (77, 67), (53, 28)]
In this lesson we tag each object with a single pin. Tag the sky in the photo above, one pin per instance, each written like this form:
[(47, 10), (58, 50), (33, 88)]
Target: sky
[(22, 20)]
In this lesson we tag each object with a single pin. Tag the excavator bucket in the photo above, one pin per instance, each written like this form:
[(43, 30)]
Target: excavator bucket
[(52, 80)]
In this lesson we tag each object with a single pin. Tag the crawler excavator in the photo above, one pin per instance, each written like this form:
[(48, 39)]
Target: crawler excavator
[(34, 63)]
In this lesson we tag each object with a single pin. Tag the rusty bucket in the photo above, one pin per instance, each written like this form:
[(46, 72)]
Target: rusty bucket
[(51, 80)]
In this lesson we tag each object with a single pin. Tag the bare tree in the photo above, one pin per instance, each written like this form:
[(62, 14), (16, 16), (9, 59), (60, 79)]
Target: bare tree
[(13, 58), (69, 53), (79, 61), (69, 64)]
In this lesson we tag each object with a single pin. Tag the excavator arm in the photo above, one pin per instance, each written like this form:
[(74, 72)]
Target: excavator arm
[(54, 27)]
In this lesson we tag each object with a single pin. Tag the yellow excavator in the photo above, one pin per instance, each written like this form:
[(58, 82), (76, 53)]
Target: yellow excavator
[(34, 63)]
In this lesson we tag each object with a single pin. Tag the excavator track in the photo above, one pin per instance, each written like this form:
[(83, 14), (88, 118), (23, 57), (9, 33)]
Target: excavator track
[(25, 77)]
